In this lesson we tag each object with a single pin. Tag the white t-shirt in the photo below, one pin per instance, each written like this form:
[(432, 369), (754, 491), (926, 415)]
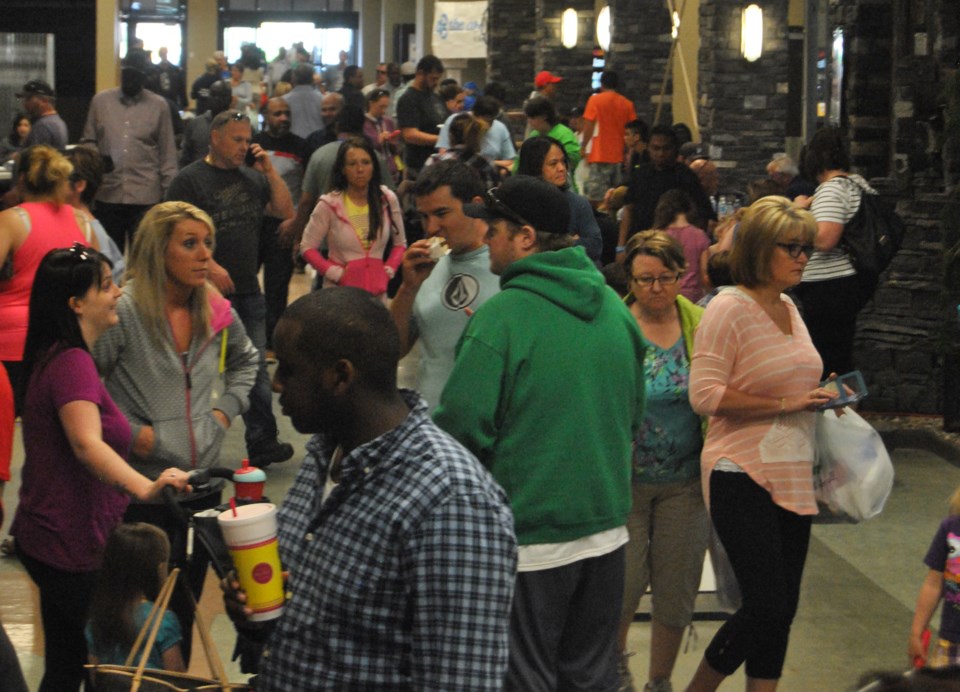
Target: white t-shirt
[(836, 200)]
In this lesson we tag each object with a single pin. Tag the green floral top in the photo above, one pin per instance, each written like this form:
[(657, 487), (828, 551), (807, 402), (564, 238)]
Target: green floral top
[(668, 445)]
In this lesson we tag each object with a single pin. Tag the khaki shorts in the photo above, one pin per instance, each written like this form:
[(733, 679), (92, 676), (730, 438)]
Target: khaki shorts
[(669, 527), (600, 178)]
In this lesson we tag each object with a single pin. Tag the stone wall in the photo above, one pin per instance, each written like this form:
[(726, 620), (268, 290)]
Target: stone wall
[(898, 343), (575, 64), (743, 105), (511, 47), (868, 27), (639, 49)]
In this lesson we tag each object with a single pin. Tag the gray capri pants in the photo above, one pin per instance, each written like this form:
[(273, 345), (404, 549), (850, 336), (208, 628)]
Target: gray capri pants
[(669, 527)]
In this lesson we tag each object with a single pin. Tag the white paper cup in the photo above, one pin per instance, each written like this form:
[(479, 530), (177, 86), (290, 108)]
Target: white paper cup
[(251, 536)]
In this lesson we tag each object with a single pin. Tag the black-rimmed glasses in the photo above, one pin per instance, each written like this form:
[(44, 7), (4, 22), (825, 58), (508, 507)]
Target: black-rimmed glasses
[(796, 249), (648, 281), (494, 202)]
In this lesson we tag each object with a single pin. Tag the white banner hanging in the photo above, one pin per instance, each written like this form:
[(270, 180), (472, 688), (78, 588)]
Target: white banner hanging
[(460, 29)]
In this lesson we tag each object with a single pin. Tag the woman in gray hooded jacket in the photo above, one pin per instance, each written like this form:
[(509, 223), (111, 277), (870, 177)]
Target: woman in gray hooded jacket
[(179, 365)]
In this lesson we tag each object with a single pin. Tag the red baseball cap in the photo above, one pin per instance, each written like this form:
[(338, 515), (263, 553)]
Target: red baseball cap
[(544, 78)]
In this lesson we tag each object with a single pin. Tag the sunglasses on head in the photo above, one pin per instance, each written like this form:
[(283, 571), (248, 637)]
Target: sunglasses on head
[(493, 202)]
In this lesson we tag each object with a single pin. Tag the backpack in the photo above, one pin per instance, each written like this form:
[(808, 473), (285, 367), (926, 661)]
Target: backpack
[(872, 237)]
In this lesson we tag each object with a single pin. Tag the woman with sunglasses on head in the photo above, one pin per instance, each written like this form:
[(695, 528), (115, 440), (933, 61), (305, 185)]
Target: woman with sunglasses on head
[(544, 157), (756, 374), (76, 480), (41, 222), (180, 366), (356, 218), (668, 522)]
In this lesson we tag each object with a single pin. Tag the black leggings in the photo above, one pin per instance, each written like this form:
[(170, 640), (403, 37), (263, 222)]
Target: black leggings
[(64, 604), (767, 546), (830, 312)]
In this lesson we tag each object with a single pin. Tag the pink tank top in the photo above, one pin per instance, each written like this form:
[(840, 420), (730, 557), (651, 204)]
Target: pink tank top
[(51, 227)]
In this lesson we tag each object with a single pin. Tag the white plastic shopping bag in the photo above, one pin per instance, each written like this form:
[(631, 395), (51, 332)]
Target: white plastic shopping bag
[(852, 473)]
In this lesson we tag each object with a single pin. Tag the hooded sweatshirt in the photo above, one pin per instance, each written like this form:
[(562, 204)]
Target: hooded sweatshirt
[(547, 390), (175, 393)]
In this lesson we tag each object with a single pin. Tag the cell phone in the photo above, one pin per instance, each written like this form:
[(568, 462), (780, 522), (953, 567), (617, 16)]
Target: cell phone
[(250, 158), (850, 388)]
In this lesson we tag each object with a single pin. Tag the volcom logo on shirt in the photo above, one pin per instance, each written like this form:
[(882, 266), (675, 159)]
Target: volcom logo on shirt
[(461, 290)]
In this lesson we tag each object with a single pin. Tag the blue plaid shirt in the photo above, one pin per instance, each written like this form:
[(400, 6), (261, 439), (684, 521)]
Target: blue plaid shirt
[(403, 579)]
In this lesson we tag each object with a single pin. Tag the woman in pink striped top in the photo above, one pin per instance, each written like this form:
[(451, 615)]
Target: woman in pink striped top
[(755, 373)]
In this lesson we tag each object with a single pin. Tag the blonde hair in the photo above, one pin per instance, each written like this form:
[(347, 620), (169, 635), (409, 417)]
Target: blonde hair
[(955, 503), (147, 271), (658, 244), (765, 223), (44, 172)]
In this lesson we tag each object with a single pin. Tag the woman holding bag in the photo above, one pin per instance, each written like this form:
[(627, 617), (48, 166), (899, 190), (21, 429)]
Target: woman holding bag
[(756, 374), (356, 219)]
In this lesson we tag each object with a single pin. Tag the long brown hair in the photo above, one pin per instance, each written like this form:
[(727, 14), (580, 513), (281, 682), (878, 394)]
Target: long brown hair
[(130, 572)]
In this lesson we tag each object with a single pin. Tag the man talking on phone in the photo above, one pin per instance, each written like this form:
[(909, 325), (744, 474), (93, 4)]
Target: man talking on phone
[(237, 196)]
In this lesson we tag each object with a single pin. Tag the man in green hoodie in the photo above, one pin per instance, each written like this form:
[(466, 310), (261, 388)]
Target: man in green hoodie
[(547, 391)]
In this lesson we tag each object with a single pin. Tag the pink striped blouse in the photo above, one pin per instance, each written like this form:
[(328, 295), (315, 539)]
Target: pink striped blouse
[(739, 346)]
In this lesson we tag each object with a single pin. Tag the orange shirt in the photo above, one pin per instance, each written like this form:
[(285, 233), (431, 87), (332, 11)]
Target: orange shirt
[(611, 112)]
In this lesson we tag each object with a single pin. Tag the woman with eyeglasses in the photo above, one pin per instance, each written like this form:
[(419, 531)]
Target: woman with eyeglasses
[(357, 218), (76, 479), (756, 373), (42, 222), (668, 522), (545, 158)]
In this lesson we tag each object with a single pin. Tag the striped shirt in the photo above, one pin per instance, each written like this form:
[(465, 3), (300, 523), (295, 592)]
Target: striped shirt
[(402, 579), (836, 200), (739, 346)]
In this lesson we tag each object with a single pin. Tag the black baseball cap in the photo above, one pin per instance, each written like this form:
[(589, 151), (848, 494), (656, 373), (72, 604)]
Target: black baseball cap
[(525, 200), (36, 87)]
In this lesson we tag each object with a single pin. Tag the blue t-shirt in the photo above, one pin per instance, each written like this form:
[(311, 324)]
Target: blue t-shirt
[(669, 441), (168, 635), (944, 556)]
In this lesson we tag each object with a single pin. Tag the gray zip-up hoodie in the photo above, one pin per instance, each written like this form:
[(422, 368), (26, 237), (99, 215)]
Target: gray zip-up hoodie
[(173, 392)]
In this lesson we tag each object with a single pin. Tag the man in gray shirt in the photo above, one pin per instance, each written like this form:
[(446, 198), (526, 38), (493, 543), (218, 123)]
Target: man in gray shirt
[(47, 127), (132, 128), (304, 102)]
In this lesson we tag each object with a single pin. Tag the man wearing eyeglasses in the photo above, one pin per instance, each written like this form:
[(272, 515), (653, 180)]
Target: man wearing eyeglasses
[(237, 197), (547, 391)]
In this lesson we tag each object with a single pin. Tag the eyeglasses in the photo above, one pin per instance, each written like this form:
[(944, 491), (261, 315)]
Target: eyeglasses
[(796, 249), (237, 117), (648, 281), (493, 201), (381, 72)]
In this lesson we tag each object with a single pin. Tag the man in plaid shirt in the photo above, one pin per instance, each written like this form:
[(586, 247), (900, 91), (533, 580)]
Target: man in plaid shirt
[(399, 544)]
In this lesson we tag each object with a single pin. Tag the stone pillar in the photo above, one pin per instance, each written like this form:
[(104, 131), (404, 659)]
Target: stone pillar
[(575, 64), (639, 49), (743, 105), (511, 44), (868, 83)]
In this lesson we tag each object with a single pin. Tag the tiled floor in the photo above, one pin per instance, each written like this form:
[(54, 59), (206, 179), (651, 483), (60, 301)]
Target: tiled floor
[(859, 587)]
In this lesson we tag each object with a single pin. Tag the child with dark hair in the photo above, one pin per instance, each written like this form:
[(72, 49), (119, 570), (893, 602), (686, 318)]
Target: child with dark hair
[(134, 569), (718, 271)]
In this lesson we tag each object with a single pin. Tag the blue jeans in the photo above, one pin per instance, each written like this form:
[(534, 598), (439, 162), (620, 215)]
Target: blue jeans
[(261, 426)]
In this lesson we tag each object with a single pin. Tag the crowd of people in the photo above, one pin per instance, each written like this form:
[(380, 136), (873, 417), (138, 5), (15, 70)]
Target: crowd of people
[(497, 527)]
